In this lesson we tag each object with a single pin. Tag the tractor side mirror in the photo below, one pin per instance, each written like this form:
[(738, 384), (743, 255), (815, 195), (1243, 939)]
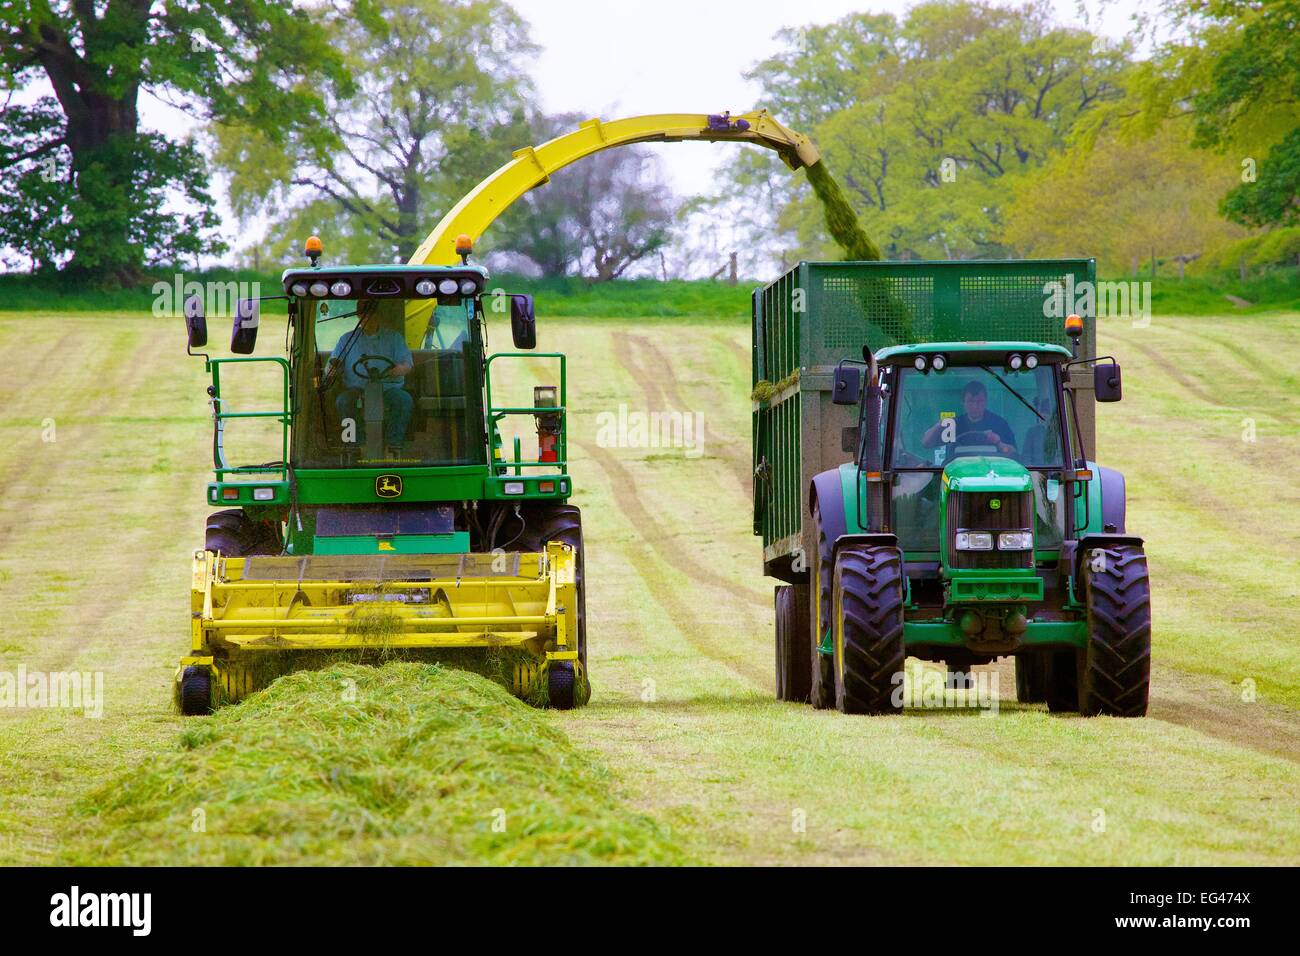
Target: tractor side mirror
[(243, 336), (523, 322), (1106, 383), (848, 385), (196, 323)]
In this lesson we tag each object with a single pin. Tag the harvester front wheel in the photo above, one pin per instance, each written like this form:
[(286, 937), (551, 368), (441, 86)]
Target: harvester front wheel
[(793, 619), (196, 691), (868, 618), (821, 673), (561, 685), (231, 533), (1116, 672), (562, 523)]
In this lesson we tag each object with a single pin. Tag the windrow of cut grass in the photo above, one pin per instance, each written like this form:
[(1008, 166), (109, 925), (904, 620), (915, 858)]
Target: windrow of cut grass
[(401, 764)]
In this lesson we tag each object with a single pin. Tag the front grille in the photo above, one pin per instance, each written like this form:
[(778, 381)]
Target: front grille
[(970, 511)]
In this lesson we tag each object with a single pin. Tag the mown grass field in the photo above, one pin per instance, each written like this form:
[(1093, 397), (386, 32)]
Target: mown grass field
[(683, 754)]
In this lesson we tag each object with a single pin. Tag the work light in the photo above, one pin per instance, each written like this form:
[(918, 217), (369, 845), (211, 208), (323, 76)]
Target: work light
[(1031, 361), (468, 287), (448, 286), (938, 363), (1015, 362), (425, 287), (974, 541), (919, 363), (299, 289), (1015, 541), (341, 289), (319, 289)]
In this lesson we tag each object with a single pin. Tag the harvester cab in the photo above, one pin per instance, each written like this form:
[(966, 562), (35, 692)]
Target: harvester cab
[(403, 516)]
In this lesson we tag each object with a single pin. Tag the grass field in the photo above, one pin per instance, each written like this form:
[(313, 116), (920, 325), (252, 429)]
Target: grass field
[(683, 754)]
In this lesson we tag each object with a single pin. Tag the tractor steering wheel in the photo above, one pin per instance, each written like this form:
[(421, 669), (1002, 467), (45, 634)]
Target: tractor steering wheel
[(361, 370)]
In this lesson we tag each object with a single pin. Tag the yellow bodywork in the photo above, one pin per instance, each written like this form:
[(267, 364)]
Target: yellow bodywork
[(532, 166), (521, 602)]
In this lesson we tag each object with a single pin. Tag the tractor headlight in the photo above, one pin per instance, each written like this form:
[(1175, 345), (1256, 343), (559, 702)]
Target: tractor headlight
[(974, 541), (938, 363), (341, 289), (1031, 361), (425, 287), (1015, 540), (919, 363), (299, 289), (263, 494), (1015, 362), (320, 290), (448, 286), (513, 487), (468, 287)]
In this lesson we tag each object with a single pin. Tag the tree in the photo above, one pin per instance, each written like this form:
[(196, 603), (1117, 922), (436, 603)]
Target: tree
[(440, 91), (598, 217), (85, 168)]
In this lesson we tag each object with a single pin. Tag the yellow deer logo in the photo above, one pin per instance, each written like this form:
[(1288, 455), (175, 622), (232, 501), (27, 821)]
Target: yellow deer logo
[(388, 486)]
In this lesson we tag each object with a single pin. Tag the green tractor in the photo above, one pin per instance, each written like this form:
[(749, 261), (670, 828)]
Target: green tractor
[(969, 522), (403, 516)]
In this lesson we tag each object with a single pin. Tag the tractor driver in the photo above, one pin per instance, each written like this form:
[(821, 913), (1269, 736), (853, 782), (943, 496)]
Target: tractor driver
[(375, 335), (976, 422)]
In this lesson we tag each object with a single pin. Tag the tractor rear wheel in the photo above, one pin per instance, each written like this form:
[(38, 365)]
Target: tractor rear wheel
[(792, 636), (868, 617), (1116, 672), (821, 672), (1061, 681), (1031, 677), (196, 691)]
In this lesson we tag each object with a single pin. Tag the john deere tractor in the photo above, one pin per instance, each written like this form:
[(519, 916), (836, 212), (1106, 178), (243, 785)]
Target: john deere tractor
[(924, 486), (399, 518)]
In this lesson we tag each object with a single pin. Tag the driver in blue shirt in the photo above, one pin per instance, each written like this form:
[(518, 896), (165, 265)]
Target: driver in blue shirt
[(378, 339), (976, 425)]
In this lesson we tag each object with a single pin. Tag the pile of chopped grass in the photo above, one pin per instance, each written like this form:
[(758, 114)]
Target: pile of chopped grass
[(407, 763)]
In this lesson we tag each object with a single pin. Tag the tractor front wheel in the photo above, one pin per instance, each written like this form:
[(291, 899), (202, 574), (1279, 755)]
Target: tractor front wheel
[(1116, 672), (868, 618)]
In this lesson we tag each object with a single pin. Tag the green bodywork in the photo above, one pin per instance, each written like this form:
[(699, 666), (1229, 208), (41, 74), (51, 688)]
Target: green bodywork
[(281, 492)]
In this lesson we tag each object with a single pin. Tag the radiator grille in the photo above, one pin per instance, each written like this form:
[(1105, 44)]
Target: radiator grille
[(970, 511)]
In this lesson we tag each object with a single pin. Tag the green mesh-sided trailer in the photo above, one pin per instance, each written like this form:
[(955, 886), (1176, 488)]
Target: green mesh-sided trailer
[(819, 313)]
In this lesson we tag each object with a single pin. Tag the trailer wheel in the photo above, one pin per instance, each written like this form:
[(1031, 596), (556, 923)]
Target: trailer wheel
[(1061, 681), (821, 671), (196, 691), (1116, 672), (1031, 677), (868, 616), (560, 685), (792, 628)]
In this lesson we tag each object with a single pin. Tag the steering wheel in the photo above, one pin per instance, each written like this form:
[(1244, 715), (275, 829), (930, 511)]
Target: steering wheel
[(361, 370), (982, 436)]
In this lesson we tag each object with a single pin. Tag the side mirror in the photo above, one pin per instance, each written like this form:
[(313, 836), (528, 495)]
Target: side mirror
[(1106, 383), (848, 385), (196, 323), (244, 334), (523, 322)]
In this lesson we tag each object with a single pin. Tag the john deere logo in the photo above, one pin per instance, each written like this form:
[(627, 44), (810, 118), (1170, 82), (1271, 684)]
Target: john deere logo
[(388, 486), (994, 503)]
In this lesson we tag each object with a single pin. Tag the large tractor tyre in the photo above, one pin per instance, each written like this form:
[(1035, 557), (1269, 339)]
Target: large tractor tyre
[(562, 523), (234, 536), (196, 692), (821, 672), (1061, 681), (1116, 671), (1031, 677), (868, 613), (793, 620)]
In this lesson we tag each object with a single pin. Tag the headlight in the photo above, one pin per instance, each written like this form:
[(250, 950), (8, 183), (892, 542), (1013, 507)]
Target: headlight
[(513, 487), (448, 286), (938, 363), (1031, 361), (974, 541), (299, 289), (1015, 362), (1015, 541), (468, 287), (263, 494), (919, 363), (425, 287), (341, 289), (320, 290)]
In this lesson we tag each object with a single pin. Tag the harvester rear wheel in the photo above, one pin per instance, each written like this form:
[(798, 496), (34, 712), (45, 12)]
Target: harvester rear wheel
[(793, 619), (1031, 677), (1116, 672), (867, 611), (1061, 679), (196, 691), (561, 685), (821, 671)]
